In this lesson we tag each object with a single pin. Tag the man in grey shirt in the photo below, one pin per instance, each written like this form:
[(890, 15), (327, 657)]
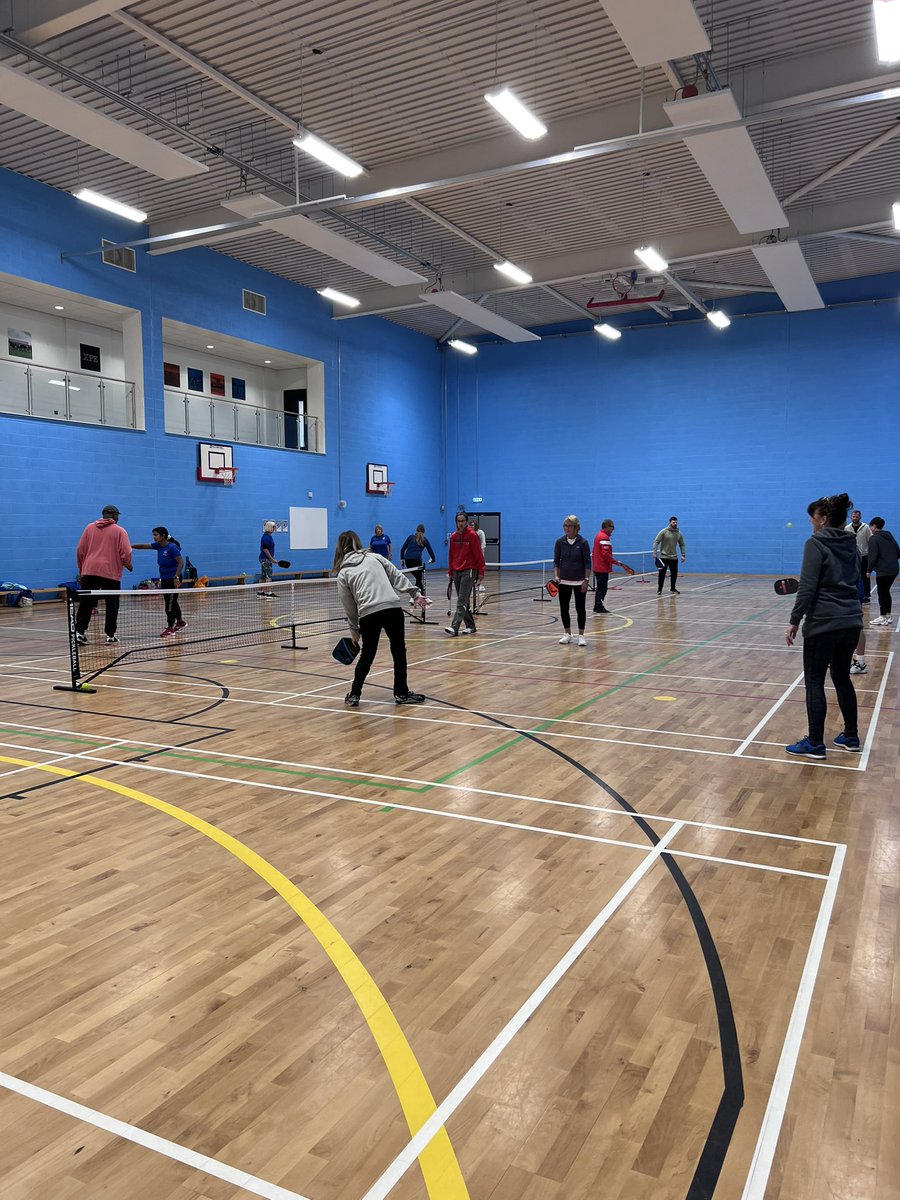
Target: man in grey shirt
[(863, 533), (666, 545)]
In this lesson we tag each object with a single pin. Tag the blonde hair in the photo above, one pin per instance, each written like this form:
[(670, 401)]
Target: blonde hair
[(269, 526), (420, 535), (573, 520), (346, 544)]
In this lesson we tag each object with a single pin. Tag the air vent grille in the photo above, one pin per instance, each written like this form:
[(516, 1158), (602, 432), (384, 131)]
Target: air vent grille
[(254, 302), (122, 257)]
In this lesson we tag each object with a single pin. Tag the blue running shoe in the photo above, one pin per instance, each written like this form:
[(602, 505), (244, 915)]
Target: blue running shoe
[(805, 749), (844, 742)]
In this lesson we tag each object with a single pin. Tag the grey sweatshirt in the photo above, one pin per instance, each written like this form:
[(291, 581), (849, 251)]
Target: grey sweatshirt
[(829, 584), (368, 583)]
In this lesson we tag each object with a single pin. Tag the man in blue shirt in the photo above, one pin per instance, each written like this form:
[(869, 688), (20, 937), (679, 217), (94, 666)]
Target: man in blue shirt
[(267, 559)]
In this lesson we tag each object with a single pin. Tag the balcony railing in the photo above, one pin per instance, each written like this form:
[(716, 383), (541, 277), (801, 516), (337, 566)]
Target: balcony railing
[(30, 389), (197, 415)]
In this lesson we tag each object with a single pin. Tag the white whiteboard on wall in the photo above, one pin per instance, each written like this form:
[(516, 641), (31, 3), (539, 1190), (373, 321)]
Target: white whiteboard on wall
[(309, 528)]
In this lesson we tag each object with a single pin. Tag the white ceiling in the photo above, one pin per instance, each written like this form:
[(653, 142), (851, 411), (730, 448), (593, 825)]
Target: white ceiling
[(399, 86)]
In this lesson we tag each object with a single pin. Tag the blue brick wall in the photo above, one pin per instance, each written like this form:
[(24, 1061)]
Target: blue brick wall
[(56, 478), (733, 431)]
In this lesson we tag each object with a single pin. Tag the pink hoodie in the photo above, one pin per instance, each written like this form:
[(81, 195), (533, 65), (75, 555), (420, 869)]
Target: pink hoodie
[(103, 550)]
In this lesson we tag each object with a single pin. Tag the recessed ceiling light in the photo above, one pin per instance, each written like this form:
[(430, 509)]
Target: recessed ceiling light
[(210, 347), (59, 307), (267, 361)]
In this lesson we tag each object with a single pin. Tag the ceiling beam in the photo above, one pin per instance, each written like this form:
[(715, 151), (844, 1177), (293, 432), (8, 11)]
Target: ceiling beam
[(709, 242), (40, 20), (886, 135)]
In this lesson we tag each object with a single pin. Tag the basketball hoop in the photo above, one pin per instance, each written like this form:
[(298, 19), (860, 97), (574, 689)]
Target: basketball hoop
[(387, 487), (226, 475)]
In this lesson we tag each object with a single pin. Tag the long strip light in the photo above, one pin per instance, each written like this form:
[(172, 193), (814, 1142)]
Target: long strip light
[(512, 109), (896, 211), (511, 271), (465, 347), (608, 331), (344, 165), (113, 206), (651, 258), (887, 29), (336, 297), (717, 317)]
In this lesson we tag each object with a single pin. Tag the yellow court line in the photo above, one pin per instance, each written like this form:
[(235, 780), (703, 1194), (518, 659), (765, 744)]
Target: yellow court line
[(440, 1168)]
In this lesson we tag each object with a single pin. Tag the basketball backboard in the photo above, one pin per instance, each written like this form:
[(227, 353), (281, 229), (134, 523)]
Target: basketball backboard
[(212, 458)]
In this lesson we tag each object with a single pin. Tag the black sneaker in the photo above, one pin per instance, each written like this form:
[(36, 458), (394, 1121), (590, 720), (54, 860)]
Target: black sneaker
[(410, 698), (81, 639), (351, 700), (675, 591)]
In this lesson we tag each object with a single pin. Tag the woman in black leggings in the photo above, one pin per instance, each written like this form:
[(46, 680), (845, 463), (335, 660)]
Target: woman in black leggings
[(828, 599), (883, 560), (572, 572)]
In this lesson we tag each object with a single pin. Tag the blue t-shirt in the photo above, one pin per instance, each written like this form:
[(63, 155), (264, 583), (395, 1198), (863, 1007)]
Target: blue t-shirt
[(167, 558), (266, 542), (381, 544)]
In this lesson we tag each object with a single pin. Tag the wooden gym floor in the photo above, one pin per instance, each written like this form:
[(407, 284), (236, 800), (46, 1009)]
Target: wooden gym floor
[(574, 928)]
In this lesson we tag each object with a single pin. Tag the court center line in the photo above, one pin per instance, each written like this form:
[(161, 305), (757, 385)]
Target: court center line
[(770, 1130), (765, 720), (150, 1141), (404, 1160)]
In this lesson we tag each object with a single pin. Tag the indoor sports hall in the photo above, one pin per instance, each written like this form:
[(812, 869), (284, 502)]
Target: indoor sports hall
[(571, 917)]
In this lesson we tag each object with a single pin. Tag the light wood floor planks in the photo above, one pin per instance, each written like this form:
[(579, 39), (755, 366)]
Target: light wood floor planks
[(459, 851)]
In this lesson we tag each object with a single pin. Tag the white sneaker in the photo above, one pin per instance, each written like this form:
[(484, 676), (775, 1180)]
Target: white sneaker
[(881, 621), (859, 668), (582, 641), (565, 639)]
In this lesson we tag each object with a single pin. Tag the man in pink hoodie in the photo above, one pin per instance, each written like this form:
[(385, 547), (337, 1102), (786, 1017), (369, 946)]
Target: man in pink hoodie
[(103, 550)]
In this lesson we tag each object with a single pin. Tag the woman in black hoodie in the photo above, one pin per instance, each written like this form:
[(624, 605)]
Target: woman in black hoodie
[(883, 561), (828, 597)]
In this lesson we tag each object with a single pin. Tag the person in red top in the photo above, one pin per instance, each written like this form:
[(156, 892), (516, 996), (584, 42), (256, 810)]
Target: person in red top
[(466, 569), (602, 563), (103, 550)]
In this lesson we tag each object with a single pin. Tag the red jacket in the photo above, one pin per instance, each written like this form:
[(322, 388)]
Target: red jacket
[(602, 559), (465, 552), (103, 550)]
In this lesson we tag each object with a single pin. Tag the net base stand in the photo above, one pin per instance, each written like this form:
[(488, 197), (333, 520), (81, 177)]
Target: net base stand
[(291, 646), (74, 687)]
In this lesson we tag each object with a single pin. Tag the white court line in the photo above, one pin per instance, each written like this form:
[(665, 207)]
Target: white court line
[(367, 776), (150, 1141), (405, 1159), (870, 736), (770, 1130), (765, 720)]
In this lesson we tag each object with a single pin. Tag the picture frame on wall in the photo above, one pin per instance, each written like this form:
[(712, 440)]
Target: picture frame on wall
[(195, 379), (171, 375), (19, 342), (216, 384), (90, 357), (238, 389)]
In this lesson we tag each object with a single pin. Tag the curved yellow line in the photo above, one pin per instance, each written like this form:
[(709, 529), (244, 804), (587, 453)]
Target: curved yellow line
[(440, 1168)]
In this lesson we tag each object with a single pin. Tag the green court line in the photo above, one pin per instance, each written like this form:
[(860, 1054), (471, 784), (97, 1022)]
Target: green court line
[(52, 737), (616, 687)]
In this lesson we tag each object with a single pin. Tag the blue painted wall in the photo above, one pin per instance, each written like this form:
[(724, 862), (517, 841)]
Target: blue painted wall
[(56, 477), (733, 431)]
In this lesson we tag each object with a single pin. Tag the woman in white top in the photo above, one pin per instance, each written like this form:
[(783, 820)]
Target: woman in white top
[(370, 590)]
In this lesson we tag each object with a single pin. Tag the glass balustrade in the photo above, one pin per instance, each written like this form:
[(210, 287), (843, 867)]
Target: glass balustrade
[(30, 389), (197, 415)]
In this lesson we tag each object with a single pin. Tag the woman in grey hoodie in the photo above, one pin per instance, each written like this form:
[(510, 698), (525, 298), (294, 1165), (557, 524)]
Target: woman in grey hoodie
[(369, 587), (828, 598)]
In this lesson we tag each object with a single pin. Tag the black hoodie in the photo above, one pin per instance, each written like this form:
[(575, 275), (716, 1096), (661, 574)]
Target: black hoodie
[(829, 584), (883, 553)]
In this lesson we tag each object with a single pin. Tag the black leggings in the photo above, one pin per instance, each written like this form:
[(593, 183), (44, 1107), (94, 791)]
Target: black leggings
[(170, 599), (565, 595), (393, 622), (672, 565), (884, 583), (418, 574), (97, 583), (832, 650)]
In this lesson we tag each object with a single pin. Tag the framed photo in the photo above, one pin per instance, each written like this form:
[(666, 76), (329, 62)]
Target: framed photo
[(238, 389), (19, 342), (195, 379), (90, 357), (171, 375), (216, 384)]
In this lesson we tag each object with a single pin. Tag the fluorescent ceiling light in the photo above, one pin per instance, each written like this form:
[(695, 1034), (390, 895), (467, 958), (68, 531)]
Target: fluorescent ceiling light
[(896, 211), (651, 258), (310, 144), (608, 331), (267, 361), (887, 29), (62, 307), (513, 110), (511, 271), (730, 162), (465, 347), (717, 317), (337, 297), (113, 206)]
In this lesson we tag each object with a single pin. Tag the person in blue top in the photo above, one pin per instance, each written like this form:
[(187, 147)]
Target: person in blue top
[(381, 543), (411, 555), (267, 559), (171, 565)]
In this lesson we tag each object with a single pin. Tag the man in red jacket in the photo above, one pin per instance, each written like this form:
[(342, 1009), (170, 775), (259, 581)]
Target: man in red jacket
[(103, 550), (466, 568), (602, 563)]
